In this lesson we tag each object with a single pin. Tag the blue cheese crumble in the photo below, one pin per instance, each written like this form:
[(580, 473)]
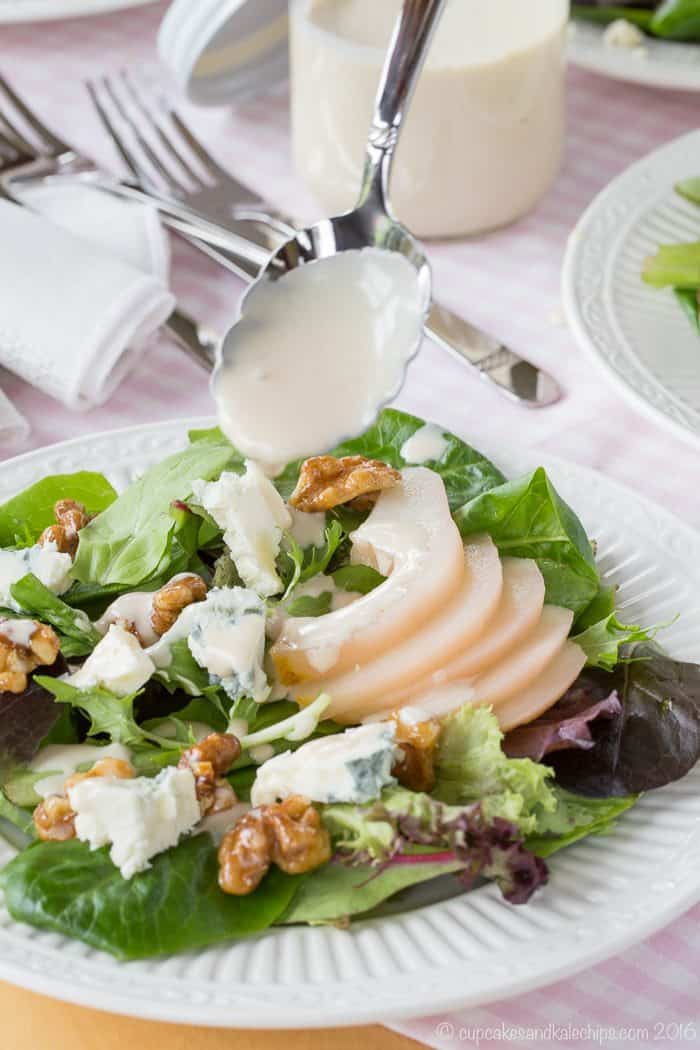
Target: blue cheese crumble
[(353, 766)]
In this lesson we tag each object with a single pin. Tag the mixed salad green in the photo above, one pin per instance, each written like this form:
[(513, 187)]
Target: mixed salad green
[(667, 19), (498, 805), (677, 266)]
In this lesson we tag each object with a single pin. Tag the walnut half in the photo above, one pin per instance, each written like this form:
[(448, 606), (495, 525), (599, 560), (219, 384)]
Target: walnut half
[(326, 482), (24, 646), (71, 517), (175, 596), (209, 761), (289, 834)]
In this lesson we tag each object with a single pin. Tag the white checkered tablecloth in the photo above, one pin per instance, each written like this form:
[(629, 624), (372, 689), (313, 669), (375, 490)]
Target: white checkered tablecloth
[(507, 282)]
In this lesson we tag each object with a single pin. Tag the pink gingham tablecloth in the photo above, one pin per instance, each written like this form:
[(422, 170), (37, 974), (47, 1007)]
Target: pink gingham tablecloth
[(507, 282)]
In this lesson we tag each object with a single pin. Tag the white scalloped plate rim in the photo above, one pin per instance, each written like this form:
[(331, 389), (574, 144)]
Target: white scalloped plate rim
[(457, 953), (50, 10), (596, 284), (664, 63)]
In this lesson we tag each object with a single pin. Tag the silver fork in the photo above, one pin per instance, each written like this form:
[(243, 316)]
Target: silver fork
[(166, 158), (167, 161), (28, 148)]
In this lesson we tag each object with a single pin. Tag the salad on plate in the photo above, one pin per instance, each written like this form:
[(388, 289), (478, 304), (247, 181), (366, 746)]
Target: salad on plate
[(233, 701)]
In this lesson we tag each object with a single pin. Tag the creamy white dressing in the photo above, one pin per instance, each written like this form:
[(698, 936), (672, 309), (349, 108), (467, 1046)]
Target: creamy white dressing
[(19, 632), (427, 445), (135, 608), (60, 761), (316, 354), (309, 530), (483, 138)]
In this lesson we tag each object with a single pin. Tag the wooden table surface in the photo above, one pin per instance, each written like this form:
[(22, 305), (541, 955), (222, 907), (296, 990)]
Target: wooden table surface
[(32, 1022)]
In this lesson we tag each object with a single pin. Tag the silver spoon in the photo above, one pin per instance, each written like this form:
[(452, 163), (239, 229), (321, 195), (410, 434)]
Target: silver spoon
[(371, 223)]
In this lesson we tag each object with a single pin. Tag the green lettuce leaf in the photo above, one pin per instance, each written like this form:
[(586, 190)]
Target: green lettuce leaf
[(109, 714), (138, 537), (174, 906), (336, 891), (602, 641), (470, 766), (527, 519), (574, 818), (24, 517), (77, 634), (16, 824)]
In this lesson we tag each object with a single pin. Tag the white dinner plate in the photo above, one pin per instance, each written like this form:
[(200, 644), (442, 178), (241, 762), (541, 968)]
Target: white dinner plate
[(46, 10), (661, 63), (638, 334), (604, 893)]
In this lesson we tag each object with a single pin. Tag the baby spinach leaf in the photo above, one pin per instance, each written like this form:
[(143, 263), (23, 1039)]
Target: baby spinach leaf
[(311, 604), (136, 538), (174, 906), (465, 471), (16, 824), (359, 578), (77, 634), (526, 518), (688, 300), (24, 517)]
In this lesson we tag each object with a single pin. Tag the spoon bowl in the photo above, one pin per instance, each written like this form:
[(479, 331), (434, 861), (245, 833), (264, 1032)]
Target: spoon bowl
[(399, 305)]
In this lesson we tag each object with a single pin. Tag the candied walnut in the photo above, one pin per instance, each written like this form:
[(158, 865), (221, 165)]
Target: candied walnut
[(244, 855), (289, 834), (175, 596), (325, 482), (54, 819), (104, 767), (300, 841), (18, 658), (416, 740), (71, 517), (209, 761)]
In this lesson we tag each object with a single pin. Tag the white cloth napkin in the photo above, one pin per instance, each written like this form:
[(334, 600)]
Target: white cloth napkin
[(77, 308)]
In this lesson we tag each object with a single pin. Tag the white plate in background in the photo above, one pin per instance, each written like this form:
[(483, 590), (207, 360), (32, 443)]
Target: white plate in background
[(661, 63), (47, 10), (604, 893), (638, 334)]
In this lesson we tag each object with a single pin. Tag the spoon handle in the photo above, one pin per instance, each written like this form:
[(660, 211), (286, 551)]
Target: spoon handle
[(409, 46)]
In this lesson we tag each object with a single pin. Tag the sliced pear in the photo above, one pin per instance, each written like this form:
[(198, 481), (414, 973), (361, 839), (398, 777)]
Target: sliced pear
[(410, 537), (457, 625), (518, 613), (558, 676), (515, 672)]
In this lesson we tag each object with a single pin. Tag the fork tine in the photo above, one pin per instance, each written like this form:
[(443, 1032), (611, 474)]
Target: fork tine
[(130, 158), (171, 179), (159, 131), (203, 155), (50, 140), (15, 138)]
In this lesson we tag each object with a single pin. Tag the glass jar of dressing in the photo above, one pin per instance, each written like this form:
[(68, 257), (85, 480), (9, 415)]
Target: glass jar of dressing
[(483, 139)]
